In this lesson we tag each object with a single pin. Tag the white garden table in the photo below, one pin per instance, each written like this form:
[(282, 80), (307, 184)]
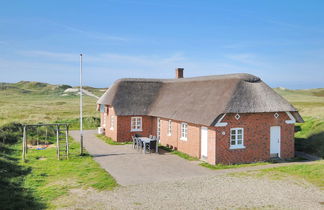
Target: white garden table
[(147, 140)]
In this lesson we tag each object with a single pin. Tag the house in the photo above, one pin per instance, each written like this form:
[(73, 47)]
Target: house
[(234, 118)]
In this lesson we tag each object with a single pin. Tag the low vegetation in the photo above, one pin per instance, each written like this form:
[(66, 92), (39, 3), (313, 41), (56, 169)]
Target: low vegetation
[(38, 182), (180, 154), (311, 172), (221, 166), (110, 141), (88, 123)]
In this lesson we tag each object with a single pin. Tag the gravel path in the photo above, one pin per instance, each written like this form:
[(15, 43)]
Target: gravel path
[(192, 187), (222, 191)]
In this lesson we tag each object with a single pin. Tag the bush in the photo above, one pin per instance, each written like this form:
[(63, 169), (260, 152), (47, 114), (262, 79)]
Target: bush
[(10, 133), (88, 122)]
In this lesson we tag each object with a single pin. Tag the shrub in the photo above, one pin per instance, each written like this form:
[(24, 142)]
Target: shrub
[(10, 133)]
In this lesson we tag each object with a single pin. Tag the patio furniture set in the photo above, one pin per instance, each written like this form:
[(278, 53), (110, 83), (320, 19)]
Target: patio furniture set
[(150, 143)]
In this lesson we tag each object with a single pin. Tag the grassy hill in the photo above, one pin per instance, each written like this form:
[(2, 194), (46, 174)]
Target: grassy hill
[(310, 102), (34, 102)]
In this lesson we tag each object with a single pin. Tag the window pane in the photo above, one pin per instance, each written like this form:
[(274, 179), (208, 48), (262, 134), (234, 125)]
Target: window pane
[(239, 131), (239, 142), (239, 137), (233, 137), (232, 142), (232, 131)]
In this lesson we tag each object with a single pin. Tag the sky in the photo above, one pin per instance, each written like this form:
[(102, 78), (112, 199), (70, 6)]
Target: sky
[(282, 42)]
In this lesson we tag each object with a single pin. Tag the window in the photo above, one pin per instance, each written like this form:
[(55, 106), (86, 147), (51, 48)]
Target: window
[(169, 128), (237, 138), (112, 122), (102, 108), (136, 124), (184, 131)]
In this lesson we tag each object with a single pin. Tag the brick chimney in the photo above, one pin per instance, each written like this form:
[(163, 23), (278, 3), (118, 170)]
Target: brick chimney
[(179, 73)]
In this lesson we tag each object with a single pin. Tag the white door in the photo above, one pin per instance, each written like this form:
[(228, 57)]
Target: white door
[(204, 142), (275, 141)]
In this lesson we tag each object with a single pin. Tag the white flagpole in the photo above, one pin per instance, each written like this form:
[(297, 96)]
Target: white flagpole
[(81, 120)]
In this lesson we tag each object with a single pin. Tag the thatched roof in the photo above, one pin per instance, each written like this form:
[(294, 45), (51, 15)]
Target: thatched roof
[(199, 100)]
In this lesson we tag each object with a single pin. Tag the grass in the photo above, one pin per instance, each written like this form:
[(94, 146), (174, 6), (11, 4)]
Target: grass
[(311, 172), (180, 154), (221, 166), (110, 141), (41, 102), (309, 102), (44, 178), (310, 137)]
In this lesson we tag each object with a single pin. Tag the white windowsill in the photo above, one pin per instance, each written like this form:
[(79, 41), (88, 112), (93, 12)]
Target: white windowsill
[(237, 147), (183, 139), (137, 130)]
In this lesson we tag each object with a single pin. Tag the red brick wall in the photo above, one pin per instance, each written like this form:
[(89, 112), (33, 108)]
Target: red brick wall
[(191, 146), (256, 138), (124, 128)]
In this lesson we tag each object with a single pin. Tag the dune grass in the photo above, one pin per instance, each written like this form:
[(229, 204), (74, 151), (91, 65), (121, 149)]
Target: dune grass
[(309, 102), (43, 178), (34, 102)]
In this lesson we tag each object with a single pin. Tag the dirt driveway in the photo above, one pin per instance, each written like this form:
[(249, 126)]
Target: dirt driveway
[(130, 167)]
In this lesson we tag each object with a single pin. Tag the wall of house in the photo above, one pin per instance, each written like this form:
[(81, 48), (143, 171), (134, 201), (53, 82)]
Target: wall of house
[(112, 133), (191, 146), (124, 128), (256, 138)]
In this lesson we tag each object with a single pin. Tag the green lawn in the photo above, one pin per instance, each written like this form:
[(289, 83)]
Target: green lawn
[(38, 182), (221, 166), (110, 141), (312, 173)]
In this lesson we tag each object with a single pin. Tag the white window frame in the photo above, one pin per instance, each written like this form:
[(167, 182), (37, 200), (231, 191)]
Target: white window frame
[(236, 139), (169, 128), (138, 124), (158, 128), (184, 131), (112, 122)]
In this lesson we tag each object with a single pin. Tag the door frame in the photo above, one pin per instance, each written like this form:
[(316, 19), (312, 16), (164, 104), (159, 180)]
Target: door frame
[(201, 142), (158, 128), (279, 140)]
